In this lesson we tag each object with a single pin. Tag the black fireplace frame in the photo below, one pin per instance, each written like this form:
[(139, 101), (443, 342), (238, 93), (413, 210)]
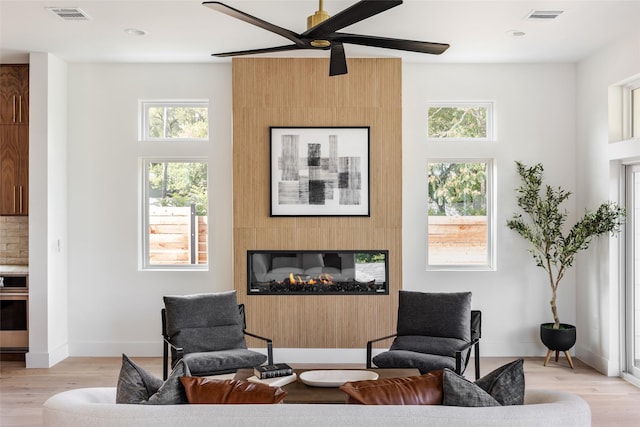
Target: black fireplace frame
[(268, 272)]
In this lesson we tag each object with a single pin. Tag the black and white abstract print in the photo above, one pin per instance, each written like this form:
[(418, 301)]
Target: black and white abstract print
[(320, 171)]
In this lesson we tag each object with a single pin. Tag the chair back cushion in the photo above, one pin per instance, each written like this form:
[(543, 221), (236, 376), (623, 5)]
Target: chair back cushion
[(435, 314), (205, 322)]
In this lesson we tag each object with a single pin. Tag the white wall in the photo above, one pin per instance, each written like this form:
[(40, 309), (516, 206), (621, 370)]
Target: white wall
[(48, 261), (598, 159), (114, 307), (535, 110)]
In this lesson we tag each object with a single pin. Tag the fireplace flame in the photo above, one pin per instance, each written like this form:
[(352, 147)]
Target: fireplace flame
[(295, 280), (325, 279)]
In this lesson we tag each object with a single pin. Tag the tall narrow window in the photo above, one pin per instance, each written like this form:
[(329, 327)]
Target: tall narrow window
[(460, 121), (174, 120), (635, 112), (175, 225), (459, 215)]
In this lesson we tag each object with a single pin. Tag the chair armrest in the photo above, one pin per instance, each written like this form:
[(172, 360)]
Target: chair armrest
[(179, 351), (468, 345), (370, 350), (269, 343), (458, 356)]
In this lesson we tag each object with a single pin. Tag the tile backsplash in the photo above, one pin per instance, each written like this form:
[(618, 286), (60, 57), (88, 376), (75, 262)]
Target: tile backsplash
[(14, 240)]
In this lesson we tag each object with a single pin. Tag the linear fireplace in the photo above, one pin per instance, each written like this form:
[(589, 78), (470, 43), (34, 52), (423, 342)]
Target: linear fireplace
[(333, 272)]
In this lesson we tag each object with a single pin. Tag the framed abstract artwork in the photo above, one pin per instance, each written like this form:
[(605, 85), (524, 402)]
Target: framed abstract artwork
[(319, 171)]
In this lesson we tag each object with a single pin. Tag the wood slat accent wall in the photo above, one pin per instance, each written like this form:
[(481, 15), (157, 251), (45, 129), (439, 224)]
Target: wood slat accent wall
[(299, 92)]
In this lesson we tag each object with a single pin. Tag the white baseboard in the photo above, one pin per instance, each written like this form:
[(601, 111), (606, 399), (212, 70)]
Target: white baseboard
[(604, 366), (295, 355), (115, 349), (48, 359), (319, 355)]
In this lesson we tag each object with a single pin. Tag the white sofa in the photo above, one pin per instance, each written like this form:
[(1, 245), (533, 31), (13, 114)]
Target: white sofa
[(96, 407)]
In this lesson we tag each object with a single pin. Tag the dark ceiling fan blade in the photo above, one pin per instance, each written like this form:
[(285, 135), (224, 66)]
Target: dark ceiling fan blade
[(389, 43), (257, 51), (338, 61), (356, 13), (238, 14)]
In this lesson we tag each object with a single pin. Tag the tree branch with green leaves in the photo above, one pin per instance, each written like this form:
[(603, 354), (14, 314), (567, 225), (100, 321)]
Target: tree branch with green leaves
[(542, 224)]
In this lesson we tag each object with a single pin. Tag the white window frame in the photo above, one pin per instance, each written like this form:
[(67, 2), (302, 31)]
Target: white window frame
[(491, 119), (490, 264), (628, 110), (143, 117), (143, 260)]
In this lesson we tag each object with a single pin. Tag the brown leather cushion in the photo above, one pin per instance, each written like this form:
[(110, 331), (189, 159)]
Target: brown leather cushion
[(206, 390), (418, 390)]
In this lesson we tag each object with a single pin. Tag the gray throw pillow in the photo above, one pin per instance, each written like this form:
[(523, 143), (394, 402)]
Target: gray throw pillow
[(137, 386), (457, 391), (172, 391), (503, 386)]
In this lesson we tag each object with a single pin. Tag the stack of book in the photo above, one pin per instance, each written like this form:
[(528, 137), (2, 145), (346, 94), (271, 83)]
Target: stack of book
[(275, 375)]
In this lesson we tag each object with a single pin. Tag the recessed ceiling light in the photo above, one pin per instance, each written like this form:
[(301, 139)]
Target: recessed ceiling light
[(516, 33), (135, 32)]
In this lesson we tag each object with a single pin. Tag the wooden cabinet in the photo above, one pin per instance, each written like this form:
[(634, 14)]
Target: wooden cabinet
[(14, 139), (14, 169), (14, 94)]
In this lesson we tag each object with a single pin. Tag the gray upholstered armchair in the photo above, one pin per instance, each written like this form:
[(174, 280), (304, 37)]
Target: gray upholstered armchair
[(435, 331), (208, 332)]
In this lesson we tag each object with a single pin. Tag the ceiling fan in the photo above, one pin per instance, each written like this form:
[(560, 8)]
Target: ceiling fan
[(322, 33)]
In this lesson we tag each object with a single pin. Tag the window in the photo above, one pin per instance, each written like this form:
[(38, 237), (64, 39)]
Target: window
[(174, 120), (175, 205), (460, 214), (460, 121), (635, 112)]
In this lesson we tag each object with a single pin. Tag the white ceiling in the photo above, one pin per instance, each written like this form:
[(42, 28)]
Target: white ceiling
[(186, 31)]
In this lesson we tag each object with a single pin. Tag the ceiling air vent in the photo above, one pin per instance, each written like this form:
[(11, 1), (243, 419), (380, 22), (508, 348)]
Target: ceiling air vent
[(543, 15), (69, 13)]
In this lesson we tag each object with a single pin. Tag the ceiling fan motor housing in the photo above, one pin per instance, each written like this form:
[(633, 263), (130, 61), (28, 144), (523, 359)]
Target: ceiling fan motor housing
[(317, 18)]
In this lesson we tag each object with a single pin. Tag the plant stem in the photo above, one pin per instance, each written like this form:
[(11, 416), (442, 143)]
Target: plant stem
[(554, 287)]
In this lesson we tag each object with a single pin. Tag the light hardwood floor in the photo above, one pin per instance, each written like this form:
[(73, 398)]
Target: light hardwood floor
[(613, 401)]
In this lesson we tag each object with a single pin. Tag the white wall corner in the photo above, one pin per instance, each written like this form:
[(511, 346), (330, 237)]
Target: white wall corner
[(47, 359), (605, 366)]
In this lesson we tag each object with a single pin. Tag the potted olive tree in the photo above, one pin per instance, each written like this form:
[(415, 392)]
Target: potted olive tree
[(554, 248)]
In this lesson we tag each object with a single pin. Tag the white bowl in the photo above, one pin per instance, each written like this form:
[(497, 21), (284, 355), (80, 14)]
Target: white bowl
[(335, 377)]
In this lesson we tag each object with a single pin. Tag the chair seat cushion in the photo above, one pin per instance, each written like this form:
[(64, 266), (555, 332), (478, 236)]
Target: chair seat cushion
[(424, 344), (227, 360), (413, 360)]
